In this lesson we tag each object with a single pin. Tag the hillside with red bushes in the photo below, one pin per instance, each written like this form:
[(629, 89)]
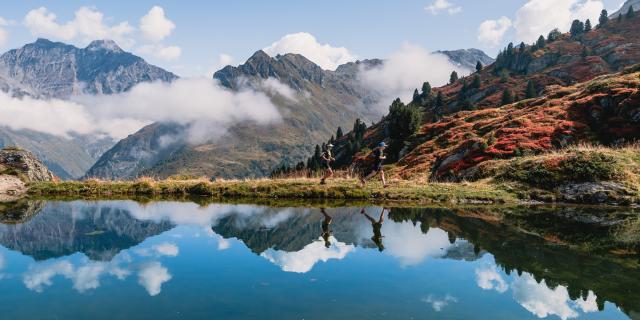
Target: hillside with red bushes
[(605, 110)]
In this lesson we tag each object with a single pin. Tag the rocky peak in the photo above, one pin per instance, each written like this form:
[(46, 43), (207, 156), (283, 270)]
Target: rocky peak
[(107, 45), (625, 8)]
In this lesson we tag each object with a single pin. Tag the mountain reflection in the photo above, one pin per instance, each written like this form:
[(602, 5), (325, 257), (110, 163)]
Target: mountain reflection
[(547, 259)]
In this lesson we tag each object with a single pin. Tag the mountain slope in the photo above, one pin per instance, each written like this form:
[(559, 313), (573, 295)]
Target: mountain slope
[(323, 100), (46, 69), (477, 120), (468, 58)]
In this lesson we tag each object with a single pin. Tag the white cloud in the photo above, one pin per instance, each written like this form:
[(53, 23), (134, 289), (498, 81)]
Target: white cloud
[(489, 279), (167, 249), (410, 245), (223, 61), (538, 17), (274, 86), (441, 5), (88, 25), (303, 43), (405, 70), (540, 300), (491, 32), (303, 261), (155, 26), (4, 35), (210, 112), (152, 275), (168, 53), (439, 303), (84, 276)]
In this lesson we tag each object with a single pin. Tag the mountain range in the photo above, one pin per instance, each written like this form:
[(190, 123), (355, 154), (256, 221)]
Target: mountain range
[(323, 100), (46, 70)]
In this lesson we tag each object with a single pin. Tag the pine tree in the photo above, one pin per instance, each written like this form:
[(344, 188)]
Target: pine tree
[(339, 133), (604, 18), (507, 97), (440, 99), (587, 25), (522, 47), (426, 89), (416, 95), (453, 78), (476, 82), (531, 91), (619, 18), (540, 43), (577, 28), (504, 75), (630, 13), (554, 35), (479, 66)]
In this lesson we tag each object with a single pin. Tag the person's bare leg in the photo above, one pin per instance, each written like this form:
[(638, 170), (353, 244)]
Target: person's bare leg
[(384, 182), (381, 220), (327, 174), (371, 175)]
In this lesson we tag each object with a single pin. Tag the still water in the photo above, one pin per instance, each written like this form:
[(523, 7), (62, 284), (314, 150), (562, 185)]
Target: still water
[(182, 260)]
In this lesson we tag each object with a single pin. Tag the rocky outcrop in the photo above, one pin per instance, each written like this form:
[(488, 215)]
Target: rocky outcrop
[(467, 58), (24, 165), (605, 192)]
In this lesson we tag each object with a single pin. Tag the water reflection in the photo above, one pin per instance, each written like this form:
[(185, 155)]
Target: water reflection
[(549, 262)]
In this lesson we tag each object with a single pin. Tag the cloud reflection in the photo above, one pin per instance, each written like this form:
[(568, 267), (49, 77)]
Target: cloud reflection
[(303, 261)]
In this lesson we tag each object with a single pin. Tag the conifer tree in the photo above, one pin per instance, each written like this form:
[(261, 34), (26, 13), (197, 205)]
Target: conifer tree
[(476, 82), (554, 35), (339, 133), (440, 99), (507, 97), (416, 95), (604, 18), (577, 28), (426, 89), (540, 43), (630, 13), (587, 25), (479, 66), (531, 91), (453, 78)]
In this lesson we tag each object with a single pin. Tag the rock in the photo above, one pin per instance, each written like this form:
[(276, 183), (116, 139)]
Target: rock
[(597, 193), (23, 165), (11, 188)]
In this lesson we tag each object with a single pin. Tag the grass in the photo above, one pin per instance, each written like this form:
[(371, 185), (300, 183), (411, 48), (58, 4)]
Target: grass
[(517, 180), (399, 190)]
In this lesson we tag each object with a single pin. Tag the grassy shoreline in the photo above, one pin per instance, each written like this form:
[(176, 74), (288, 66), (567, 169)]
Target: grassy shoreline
[(339, 189)]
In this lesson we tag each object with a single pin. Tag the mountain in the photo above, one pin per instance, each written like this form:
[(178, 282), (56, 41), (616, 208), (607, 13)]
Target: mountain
[(468, 58), (57, 229), (46, 69), (57, 70), (625, 8), (571, 89), (323, 101)]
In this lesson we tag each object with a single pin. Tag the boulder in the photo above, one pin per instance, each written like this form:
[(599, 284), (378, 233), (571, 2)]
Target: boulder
[(605, 192), (24, 165)]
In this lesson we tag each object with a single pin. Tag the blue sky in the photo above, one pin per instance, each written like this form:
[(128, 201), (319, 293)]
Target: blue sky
[(207, 34)]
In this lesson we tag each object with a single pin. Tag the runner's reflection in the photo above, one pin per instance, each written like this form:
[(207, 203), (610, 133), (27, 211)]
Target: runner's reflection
[(377, 226)]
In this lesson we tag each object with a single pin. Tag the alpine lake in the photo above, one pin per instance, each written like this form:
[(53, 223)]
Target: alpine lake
[(192, 259)]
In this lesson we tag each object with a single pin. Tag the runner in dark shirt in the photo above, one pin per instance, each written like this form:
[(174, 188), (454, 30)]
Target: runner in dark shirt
[(326, 158), (379, 157)]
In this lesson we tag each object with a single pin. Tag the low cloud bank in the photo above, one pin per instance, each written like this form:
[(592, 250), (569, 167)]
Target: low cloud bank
[(405, 70), (204, 107)]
